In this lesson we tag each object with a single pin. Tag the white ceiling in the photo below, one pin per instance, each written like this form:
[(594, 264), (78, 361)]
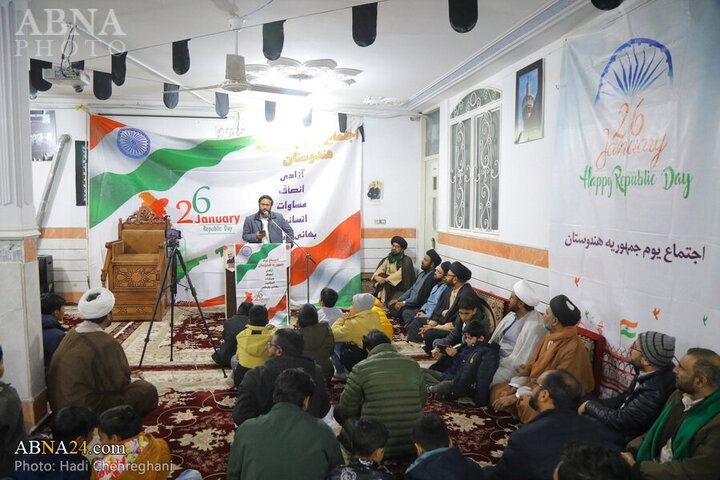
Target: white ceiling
[(413, 58)]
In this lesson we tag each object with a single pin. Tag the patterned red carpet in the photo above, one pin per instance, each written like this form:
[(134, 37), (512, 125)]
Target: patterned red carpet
[(194, 414)]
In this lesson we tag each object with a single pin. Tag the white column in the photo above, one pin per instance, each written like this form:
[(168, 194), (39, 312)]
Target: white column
[(20, 324)]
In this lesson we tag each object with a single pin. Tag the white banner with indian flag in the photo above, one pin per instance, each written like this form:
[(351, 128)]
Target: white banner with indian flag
[(208, 187), (635, 230)]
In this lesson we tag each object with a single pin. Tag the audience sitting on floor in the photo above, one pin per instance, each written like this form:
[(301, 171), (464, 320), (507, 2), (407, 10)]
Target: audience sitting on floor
[(90, 368), (231, 327), (472, 367), (252, 343), (586, 461), (368, 445), (559, 348), (318, 338), (12, 425), (73, 428), (417, 295), (387, 386), (413, 323), (286, 442), (144, 457), (684, 441), (533, 451), (468, 311), (328, 312), (350, 330), (437, 457), (633, 411), (519, 332), (255, 392), (395, 273), (52, 308)]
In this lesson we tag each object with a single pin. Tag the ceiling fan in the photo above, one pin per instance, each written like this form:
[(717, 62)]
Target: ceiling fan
[(236, 81)]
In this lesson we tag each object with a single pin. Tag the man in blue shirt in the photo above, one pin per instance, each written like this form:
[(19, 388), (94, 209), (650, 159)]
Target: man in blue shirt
[(416, 296), (409, 316)]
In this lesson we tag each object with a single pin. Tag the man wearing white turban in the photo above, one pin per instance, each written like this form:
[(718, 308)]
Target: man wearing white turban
[(90, 368), (518, 333)]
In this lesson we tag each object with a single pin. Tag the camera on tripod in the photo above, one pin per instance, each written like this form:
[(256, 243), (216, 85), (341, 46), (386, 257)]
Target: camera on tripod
[(172, 235)]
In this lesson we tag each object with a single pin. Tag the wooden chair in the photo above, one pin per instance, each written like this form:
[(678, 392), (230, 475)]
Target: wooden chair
[(134, 265)]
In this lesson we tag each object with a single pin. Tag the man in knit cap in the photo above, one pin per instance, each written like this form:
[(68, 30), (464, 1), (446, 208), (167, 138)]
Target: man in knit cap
[(90, 368), (395, 273), (633, 412), (519, 332), (559, 348)]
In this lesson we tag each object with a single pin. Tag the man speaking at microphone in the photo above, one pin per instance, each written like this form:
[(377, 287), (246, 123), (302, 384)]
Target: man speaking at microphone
[(262, 227)]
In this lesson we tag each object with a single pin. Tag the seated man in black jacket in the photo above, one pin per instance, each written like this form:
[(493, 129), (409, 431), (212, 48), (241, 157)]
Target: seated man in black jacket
[(633, 412), (231, 327), (255, 393), (417, 295), (533, 451)]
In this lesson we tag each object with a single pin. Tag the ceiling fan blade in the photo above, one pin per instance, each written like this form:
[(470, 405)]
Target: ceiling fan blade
[(210, 87), (278, 90)]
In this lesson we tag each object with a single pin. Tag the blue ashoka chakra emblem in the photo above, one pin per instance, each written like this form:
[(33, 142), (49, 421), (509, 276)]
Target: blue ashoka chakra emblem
[(133, 142), (246, 251)]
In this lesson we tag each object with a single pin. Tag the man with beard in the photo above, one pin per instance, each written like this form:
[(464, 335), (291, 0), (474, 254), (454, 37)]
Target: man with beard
[(416, 296), (559, 348), (446, 313), (684, 441), (437, 296), (395, 273), (534, 450), (519, 332), (261, 227), (633, 412)]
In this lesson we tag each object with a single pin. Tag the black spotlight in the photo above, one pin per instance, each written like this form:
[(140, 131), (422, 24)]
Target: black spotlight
[(606, 4)]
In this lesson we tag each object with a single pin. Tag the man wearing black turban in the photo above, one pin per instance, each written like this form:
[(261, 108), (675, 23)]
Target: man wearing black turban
[(417, 295), (394, 273)]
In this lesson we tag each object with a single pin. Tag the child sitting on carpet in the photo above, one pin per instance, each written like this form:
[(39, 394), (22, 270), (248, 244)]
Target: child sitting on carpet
[(328, 312), (73, 428), (252, 343), (472, 368), (143, 457), (368, 443), (437, 458)]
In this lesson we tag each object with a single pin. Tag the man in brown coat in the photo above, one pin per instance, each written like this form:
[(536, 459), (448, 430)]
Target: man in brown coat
[(559, 348), (90, 368)]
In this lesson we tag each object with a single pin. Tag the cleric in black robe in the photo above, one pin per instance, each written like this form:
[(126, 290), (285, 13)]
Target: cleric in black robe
[(394, 273)]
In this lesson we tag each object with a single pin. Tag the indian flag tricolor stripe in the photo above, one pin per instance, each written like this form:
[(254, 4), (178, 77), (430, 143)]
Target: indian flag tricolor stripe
[(242, 268), (158, 172)]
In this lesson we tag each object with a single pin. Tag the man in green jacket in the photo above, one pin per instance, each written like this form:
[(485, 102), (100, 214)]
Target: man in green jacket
[(684, 441), (288, 442), (387, 386)]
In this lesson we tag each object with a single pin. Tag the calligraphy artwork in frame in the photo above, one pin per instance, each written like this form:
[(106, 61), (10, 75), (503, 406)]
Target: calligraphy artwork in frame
[(529, 92)]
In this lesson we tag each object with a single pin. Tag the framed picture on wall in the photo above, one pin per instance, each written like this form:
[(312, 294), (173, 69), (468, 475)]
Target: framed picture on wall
[(43, 136), (375, 191), (529, 102)]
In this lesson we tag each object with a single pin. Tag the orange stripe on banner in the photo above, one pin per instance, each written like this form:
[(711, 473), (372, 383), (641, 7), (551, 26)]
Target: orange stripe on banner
[(628, 323), (99, 127), (388, 232), (343, 242), (529, 255), (277, 308), (210, 302)]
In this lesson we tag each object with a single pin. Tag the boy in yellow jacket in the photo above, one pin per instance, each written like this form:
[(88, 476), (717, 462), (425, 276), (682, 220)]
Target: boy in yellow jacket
[(252, 343)]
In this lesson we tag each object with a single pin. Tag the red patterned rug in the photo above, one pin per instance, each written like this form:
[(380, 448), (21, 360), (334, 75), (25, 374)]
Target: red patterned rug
[(195, 411)]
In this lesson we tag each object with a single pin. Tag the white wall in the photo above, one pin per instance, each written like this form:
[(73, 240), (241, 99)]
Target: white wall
[(525, 182), (391, 154)]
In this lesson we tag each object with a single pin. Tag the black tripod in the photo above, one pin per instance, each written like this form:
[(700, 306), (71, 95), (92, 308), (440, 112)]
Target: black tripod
[(173, 257)]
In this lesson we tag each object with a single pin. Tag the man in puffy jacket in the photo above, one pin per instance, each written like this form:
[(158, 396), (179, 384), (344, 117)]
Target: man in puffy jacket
[(387, 386), (633, 412), (352, 327), (255, 393)]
